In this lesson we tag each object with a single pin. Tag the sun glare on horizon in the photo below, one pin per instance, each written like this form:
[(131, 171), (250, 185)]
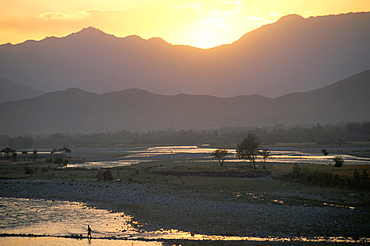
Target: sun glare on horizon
[(199, 23), (206, 34)]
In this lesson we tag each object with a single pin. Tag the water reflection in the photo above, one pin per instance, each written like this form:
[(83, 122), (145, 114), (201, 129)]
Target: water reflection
[(124, 156), (58, 218), (62, 218), (60, 241)]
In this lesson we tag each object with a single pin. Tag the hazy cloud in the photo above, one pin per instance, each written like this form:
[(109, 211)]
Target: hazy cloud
[(53, 16)]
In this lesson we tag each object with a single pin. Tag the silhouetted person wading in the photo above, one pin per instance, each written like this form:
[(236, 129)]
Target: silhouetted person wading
[(89, 231)]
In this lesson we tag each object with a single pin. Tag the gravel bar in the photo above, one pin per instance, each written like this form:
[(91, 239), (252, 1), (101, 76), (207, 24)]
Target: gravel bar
[(197, 214)]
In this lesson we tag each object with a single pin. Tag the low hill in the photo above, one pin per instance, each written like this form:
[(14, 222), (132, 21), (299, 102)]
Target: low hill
[(13, 92), (74, 110)]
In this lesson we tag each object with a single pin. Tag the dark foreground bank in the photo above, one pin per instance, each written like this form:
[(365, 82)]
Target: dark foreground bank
[(196, 211)]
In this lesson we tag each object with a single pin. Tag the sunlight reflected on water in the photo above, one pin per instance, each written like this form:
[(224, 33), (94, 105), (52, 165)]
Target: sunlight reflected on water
[(193, 154), (56, 218), (53, 241), (63, 219)]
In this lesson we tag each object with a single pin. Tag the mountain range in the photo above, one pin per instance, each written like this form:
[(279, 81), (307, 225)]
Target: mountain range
[(12, 92), (294, 54), (77, 111)]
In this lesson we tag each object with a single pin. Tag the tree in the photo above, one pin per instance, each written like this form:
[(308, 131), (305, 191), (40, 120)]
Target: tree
[(338, 161), (220, 154), (248, 149), (34, 155), (356, 175), (64, 149), (59, 160), (67, 150), (14, 156), (265, 153), (7, 150), (324, 152)]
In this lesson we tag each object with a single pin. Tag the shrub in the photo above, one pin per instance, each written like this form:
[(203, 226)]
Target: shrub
[(338, 161), (316, 177), (45, 169), (356, 175), (360, 181), (28, 171), (59, 160), (365, 175)]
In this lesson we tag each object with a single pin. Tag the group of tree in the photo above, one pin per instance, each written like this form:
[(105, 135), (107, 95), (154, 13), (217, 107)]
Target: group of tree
[(220, 154), (248, 149), (64, 149), (338, 160), (226, 136), (57, 156), (8, 153)]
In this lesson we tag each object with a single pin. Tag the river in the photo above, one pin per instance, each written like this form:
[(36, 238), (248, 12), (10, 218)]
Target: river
[(97, 157)]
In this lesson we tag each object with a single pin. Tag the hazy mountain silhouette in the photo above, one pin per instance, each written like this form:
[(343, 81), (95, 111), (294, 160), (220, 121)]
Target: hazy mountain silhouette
[(13, 92), (293, 54), (74, 110)]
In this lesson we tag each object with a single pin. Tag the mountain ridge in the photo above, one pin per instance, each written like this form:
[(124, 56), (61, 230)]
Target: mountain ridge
[(11, 91), (76, 111), (291, 55)]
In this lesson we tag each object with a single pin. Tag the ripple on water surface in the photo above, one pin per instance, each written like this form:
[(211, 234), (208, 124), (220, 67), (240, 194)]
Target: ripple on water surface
[(53, 241), (63, 218), (56, 218)]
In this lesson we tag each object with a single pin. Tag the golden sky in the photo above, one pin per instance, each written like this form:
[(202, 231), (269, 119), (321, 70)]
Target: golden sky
[(200, 23)]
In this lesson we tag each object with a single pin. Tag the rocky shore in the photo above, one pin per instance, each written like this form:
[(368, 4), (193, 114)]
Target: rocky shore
[(194, 212)]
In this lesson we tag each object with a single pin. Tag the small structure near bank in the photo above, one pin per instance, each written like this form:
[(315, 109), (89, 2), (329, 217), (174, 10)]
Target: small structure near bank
[(104, 175)]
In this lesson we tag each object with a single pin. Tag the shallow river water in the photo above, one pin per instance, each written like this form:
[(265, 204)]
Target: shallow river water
[(121, 156), (54, 222)]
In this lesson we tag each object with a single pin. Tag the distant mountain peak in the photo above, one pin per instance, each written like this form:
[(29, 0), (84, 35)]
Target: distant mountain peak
[(133, 38), (291, 18), (158, 40), (93, 32), (77, 92), (89, 32), (91, 28)]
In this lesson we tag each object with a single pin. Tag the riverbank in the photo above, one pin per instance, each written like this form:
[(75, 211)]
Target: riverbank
[(226, 206)]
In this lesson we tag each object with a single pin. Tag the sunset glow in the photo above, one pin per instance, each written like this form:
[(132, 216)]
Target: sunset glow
[(200, 23)]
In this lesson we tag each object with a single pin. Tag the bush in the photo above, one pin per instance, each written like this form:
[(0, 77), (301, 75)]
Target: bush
[(59, 160), (45, 169), (338, 161), (316, 177), (356, 175), (360, 181), (28, 171)]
